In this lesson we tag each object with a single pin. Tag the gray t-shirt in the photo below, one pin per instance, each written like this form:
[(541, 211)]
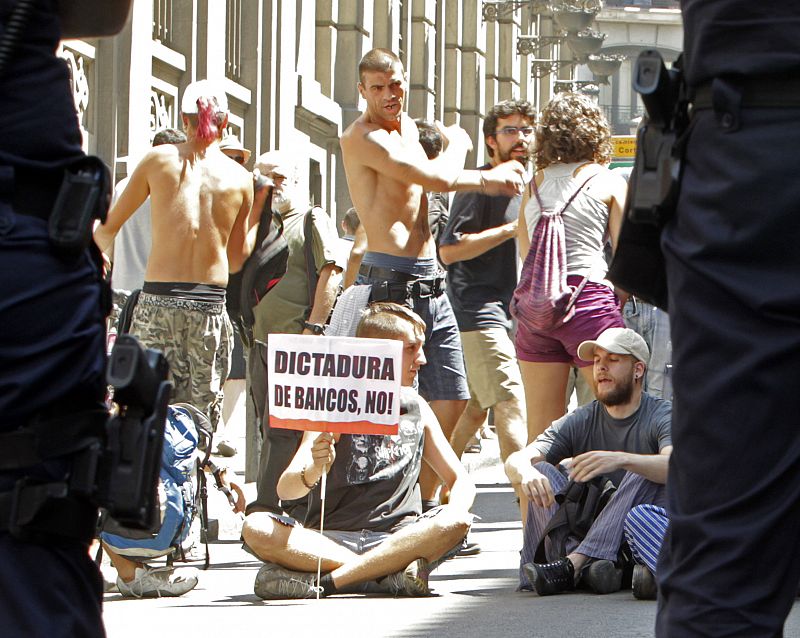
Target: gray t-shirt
[(590, 427), (132, 246), (373, 481)]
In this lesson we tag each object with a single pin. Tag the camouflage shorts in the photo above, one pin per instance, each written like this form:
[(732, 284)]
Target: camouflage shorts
[(196, 338)]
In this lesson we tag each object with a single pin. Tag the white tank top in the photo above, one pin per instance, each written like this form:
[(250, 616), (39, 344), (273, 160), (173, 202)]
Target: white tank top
[(585, 220)]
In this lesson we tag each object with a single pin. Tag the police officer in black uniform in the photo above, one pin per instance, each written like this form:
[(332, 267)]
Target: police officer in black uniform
[(731, 560), (52, 336)]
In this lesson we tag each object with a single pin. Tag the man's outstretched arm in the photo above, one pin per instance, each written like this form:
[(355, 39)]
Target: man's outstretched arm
[(386, 155), (440, 456), (471, 245)]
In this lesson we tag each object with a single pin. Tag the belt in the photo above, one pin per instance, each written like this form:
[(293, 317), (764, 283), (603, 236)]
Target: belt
[(386, 274), (761, 92), (34, 191), (400, 292)]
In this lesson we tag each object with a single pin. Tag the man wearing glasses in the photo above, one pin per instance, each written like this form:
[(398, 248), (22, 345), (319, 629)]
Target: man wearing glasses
[(477, 246)]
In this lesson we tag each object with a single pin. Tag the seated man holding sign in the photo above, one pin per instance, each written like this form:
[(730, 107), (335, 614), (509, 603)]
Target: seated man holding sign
[(375, 539)]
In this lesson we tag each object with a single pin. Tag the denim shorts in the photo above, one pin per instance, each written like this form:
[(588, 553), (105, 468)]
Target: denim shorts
[(596, 309)]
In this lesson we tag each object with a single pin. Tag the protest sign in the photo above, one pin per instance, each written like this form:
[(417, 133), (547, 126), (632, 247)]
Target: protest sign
[(334, 384)]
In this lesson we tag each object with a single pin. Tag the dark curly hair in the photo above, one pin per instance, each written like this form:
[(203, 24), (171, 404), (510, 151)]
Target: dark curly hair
[(572, 128)]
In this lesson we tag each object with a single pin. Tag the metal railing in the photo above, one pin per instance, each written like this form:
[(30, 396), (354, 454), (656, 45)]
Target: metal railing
[(233, 40), (620, 117), (162, 21), (644, 4)]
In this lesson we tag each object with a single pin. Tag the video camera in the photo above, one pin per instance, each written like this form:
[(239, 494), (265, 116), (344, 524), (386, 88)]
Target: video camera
[(128, 472), (656, 173)]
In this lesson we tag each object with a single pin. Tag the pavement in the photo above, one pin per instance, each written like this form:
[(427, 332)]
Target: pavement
[(474, 596)]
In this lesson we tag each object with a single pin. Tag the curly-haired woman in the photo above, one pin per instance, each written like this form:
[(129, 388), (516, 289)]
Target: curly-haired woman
[(572, 145)]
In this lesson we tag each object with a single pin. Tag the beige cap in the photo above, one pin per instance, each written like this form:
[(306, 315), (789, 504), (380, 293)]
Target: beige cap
[(232, 143), (206, 89), (279, 162), (618, 341)]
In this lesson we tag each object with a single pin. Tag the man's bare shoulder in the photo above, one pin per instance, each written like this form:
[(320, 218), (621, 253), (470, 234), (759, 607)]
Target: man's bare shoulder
[(162, 153), (357, 131), (233, 172)]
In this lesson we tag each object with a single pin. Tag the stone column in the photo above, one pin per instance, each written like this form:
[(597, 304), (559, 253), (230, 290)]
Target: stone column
[(139, 82), (452, 63), (353, 41), (421, 59), (472, 75), (507, 69)]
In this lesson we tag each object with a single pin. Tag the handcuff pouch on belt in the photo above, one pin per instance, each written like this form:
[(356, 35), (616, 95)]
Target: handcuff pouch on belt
[(85, 195), (404, 292), (638, 265), (113, 462)]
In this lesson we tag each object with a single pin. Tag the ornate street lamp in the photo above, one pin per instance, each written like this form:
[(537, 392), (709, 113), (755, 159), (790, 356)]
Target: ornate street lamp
[(576, 16), (493, 9), (533, 44), (587, 87), (585, 43), (604, 66)]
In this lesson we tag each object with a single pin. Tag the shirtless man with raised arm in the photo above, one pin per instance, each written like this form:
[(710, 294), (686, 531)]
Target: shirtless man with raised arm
[(200, 203), (388, 174)]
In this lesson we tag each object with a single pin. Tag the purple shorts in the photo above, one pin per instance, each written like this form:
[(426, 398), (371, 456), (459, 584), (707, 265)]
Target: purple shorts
[(596, 309)]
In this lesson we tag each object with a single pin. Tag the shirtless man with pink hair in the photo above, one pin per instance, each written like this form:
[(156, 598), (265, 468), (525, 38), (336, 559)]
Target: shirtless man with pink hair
[(200, 205)]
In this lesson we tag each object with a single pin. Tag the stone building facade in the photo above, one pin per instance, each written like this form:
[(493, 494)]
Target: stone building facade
[(290, 70)]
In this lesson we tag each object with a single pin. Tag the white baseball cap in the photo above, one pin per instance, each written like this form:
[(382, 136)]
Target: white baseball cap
[(618, 341), (280, 162), (206, 89)]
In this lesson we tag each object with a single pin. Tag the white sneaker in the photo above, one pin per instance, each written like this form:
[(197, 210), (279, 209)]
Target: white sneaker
[(154, 582)]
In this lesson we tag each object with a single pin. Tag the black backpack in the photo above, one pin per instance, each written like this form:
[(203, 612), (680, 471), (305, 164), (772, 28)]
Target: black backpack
[(578, 507), (261, 271), (438, 214)]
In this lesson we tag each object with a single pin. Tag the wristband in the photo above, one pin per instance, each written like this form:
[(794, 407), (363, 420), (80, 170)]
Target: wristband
[(315, 328), (303, 479)]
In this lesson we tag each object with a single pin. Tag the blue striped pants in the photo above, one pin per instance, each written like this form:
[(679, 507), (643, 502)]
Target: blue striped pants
[(606, 534), (645, 526)]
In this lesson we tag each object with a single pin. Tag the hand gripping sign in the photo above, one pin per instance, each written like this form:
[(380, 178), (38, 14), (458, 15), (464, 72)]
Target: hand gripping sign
[(334, 384)]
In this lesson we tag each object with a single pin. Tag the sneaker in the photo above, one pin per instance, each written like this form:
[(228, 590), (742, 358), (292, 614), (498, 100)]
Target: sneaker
[(223, 448), (473, 446), (644, 583), (469, 548), (551, 578), (412, 581), (276, 582), (154, 582), (602, 577)]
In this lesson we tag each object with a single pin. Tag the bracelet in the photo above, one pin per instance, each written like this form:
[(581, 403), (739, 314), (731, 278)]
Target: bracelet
[(483, 182), (303, 479)]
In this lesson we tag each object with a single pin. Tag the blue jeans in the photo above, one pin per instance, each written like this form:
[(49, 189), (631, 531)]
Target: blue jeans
[(444, 376)]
